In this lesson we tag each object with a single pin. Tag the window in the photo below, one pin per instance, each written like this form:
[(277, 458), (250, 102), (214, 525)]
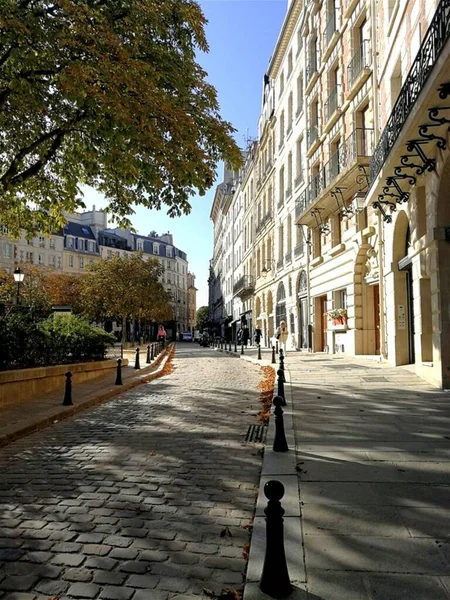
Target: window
[(281, 130), (289, 175), (155, 248), (289, 63), (281, 186), (29, 257), (140, 245), (168, 251), (7, 250), (52, 244), (299, 41), (70, 261), (280, 242), (299, 95), (40, 259), (41, 241), (299, 162), (289, 235), (59, 262), (81, 262), (290, 112), (281, 83)]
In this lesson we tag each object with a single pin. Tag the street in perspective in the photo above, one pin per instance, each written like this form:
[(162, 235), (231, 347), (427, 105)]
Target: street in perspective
[(225, 300)]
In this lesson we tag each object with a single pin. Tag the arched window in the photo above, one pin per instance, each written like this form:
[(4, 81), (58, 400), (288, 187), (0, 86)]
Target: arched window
[(280, 312), (302, 283)]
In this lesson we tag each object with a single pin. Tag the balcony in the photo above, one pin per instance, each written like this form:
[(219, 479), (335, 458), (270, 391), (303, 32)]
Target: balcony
[(266, 219), (244, 287), (298, 250), (332, 103), (341, 170), (288, 258), (311, 72), (312, 135), (401, 125), (298, 180), (280, 264), (359, 69), (330, 29), (288, 192)]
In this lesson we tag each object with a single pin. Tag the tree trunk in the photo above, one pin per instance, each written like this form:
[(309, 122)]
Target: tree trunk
[(124, 329)]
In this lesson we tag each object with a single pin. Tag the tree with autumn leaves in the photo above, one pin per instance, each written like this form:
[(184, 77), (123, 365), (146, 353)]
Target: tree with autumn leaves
[(118, 288), (126, 288), (107, 94)]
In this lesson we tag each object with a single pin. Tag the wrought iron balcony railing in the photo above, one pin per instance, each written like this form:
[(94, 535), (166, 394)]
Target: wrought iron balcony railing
[(330, 29), (288, 192), (358, 145), (298, 180), (362, 59), (267, 217), (429, 51), (313, 134), (300, 249), (311, 68), (244, 286), (332, 103)]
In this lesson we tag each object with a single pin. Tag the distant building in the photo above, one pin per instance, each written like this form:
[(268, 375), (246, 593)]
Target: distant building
[(191, 302)]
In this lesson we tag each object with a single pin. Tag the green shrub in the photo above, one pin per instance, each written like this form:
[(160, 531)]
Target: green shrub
[(28, 341)]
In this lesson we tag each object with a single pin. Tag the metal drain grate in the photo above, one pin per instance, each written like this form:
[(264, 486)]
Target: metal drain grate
[(369, 379), (256, 434)]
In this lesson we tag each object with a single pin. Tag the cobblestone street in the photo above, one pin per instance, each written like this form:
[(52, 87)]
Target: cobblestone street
[(145, 497)]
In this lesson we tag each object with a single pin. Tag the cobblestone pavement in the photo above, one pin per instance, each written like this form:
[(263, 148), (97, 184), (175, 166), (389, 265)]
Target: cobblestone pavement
[(146, 497)]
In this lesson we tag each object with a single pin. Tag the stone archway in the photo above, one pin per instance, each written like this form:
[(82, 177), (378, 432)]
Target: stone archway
[(365, 318)]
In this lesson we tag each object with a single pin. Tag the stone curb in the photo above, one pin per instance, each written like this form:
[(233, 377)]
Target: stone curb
[(280, 466), (114, 391)]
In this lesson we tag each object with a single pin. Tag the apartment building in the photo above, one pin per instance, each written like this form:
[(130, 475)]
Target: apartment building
[(352, 160), (191, 307), (39, 250)]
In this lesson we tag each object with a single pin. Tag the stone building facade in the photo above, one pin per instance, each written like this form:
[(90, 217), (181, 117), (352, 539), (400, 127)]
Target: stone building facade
[(348, 225)]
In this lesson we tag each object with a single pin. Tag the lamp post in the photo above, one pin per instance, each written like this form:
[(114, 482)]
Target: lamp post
[(18, 278), (269, 265)]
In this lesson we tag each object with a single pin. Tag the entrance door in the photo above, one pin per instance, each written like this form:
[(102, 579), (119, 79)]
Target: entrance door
[(323, 312), (303, 322), (410, 315), (376, 316)]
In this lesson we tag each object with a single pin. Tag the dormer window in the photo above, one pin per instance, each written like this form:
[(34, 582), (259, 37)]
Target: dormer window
[(140, 245), (155, 248)]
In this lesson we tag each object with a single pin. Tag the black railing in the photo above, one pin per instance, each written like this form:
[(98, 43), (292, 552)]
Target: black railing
[(330, 29), (267, 217), (244, 283), (311, 68), (362, 59), (332, 103), (298, 180), (313, 134), (429, 51), (358, 145)]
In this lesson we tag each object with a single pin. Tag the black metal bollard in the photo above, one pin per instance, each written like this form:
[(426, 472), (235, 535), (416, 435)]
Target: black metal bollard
[(276, 344), (242, 348), (275, 580), (279, 442), (119, 372), (152, 352), (235, 346), (280, 374), (273, 356), (136, 362), (68, 391), (259, 352), (281, 360), (229, 346), (148, 361)]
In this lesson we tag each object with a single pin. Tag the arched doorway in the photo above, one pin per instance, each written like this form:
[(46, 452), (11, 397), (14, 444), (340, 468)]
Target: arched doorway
[(270, 324), (281, 305), (366, 318), (302, 310)]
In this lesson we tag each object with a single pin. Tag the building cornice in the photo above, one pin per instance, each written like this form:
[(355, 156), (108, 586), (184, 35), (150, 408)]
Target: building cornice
[(286, 32)]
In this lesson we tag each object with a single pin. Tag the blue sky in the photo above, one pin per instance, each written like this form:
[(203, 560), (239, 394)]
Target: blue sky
[(241, 36)]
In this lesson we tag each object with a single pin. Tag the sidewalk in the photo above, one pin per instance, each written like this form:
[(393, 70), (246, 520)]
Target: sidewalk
[(23, 417), (371, 515)]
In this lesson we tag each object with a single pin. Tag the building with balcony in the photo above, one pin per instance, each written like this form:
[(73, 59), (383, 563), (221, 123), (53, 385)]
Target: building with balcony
[(40, 250), (409, 183)]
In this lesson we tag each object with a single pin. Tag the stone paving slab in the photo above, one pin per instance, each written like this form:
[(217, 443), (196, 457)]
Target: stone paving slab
[(151, 495)]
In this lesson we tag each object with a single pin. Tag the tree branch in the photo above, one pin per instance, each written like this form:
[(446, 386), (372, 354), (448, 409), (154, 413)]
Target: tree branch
[(36, 167)]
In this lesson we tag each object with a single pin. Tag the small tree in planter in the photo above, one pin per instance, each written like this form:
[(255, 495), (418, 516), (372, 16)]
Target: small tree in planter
[(338, 316)]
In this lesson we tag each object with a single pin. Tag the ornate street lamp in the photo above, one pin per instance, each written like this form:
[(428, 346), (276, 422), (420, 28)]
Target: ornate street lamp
[(18, 278)]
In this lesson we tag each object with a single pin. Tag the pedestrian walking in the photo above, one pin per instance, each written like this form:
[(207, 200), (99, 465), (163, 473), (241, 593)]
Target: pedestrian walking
[(239, 337), (245, 336), (282, 335), (162, 334), (258, 336)]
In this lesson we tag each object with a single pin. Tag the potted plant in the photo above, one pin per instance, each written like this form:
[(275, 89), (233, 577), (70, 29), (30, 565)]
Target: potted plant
[(338, 316)]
